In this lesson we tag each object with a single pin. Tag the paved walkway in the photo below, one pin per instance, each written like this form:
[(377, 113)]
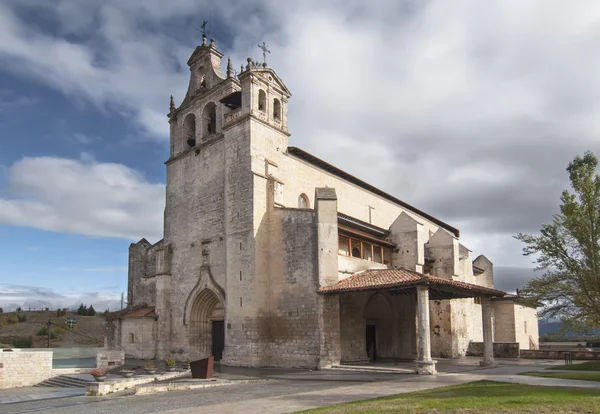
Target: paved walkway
[(22, 394), (281, 391), (321, 398)]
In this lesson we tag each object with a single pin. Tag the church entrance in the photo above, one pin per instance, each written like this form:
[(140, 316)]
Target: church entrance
[(218, 339), (206, 329), (371, 342)]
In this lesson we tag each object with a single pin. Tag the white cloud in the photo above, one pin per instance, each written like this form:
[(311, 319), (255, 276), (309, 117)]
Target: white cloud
[(13, 296), (469, 110), (82, 197)]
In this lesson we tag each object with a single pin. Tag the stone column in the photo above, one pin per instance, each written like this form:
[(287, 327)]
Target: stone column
[(488, 341), (327, 247), (425, 365)]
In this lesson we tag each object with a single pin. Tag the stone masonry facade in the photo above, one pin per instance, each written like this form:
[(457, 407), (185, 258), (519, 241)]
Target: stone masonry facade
[(254, 227), (24, 368)]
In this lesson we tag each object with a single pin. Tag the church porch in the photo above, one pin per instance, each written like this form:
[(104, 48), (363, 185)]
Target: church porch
[(384, 315)]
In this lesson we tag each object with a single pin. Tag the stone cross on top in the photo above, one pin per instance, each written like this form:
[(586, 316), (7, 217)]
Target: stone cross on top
[(265, 50)]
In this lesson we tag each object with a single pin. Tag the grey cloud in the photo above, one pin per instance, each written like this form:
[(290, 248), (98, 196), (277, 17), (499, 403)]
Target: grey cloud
[(468, 110), (509, 279), (13, 296)]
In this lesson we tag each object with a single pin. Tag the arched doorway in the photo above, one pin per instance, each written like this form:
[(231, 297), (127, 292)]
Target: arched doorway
[(379, 328), (207, 330)]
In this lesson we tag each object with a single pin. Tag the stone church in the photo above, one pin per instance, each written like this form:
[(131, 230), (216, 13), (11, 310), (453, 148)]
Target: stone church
[(274, 257)]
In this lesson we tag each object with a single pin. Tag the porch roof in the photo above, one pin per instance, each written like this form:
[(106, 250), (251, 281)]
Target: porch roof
[(145, 312), (405, 281)]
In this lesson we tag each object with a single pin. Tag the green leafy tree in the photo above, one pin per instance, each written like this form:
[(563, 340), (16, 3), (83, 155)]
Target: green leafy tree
[(82, 310), (91, 311), (568, 250)]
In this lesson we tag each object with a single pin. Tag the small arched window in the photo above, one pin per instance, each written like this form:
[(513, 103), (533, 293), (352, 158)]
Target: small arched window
[(209, 119), (189, 130), (262, 100), (276, 109), (303, 201)]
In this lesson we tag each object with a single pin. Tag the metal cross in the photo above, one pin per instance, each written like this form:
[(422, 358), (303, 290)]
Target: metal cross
[(265, 50), (203, 27)]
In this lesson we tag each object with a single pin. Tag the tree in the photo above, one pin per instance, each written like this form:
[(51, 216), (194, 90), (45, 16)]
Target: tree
[(18, 309), (82, 310), (1, 310), (91, 311), (568, 250)]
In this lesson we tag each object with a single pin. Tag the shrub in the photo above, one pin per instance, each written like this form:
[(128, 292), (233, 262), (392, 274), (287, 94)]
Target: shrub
[(23, 342), (22, 317), (170, 362), (3, 321), (43, 331), (13, 319), (149, 365)]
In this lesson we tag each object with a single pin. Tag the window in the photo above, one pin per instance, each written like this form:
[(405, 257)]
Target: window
[(303, 201), (262, 100), (387, 256), (377, 254), (367, 251), (189, 130), (276, 109), (356, 248), (209, 119), (132, 338), (363, 250), (344, 246), (371, 214), (525, 326), (477, 300)]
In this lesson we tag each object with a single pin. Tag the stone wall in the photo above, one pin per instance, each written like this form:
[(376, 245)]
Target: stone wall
[(501, 349), (108, 359), (526, 327), (291, 326), (504, 321), (24, 368), (547, 354), (138, 337)]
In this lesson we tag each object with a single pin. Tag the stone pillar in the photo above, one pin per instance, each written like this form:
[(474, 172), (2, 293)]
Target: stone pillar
[(425, 365), (327, 251), (163, 296), (488, 339)]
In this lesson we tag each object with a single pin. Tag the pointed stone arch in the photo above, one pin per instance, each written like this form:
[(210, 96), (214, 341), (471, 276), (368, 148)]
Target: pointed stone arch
[(379, 321), (205, 281), (206, 310)]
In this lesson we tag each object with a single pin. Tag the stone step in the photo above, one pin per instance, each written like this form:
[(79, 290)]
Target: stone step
[(363, 368), (63, 381)]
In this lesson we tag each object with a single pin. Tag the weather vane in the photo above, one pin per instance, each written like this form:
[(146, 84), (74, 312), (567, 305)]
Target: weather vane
[(206, 30), (265, 50)]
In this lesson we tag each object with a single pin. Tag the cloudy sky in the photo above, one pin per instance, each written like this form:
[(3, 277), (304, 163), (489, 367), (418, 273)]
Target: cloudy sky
[(469, 110)]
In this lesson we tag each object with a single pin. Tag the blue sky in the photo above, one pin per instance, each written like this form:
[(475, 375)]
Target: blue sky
[(468, 112)]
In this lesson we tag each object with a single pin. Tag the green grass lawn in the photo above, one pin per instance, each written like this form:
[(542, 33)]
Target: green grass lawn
[(479, 397), (586, 366), (582, 375)]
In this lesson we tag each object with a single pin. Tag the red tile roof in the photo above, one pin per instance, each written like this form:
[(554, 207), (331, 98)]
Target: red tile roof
[(147, 312), (399, 279)]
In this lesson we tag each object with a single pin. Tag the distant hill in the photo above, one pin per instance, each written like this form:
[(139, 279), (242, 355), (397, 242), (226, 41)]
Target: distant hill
[(549, 328), (88, 332)]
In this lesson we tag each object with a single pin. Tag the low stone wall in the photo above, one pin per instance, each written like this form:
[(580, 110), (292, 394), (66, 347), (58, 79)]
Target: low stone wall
[(115, 384), (20, 368), (501, 349), (107, 359), (546, 354)]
